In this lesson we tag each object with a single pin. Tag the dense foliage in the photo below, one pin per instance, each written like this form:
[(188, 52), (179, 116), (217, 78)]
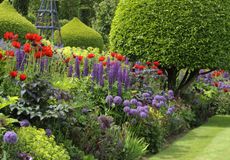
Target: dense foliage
[(77, 34)]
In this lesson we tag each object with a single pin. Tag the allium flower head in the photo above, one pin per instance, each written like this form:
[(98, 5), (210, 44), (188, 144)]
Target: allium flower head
[(10, 137), (133, 101), (109, 99), (170, 110), (126, 109), (160, 98), (117, 100), (146, 95), (143, 115), (24, 123), (126, 103), (170, 94)]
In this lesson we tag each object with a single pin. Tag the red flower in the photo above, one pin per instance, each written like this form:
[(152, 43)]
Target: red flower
[(74, 55), (216, 84), (37, 38), (27, 48), (38, 55), (16, 44), (225, 90), (113, 54), (80, 58), (22, 77), (1, 56), (141, 67), (13, 74), (159, 72), (8, 35), (91, 55), (47, 50), (154, 67), (104, 63), (67, 60), (10, 53), (136, 66), (120, 57), (29, 36), (148, 63), (101, 59), (156, 63)]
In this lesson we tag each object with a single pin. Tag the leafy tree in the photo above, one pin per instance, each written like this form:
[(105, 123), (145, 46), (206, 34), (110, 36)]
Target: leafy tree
[(104, 11), (183, 35), (21, 6)]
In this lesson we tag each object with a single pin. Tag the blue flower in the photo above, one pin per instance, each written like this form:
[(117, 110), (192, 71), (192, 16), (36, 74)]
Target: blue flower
[(10, 137)]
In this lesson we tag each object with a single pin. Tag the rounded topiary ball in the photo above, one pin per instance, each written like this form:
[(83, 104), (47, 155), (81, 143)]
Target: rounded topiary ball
[(12, 21), (179, 33), (77, 34)]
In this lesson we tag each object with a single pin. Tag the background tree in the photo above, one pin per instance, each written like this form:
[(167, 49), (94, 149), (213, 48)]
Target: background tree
[(21, 6), (183, 35)]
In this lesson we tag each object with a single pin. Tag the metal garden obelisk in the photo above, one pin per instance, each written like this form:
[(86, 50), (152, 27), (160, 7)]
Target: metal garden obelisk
[(47, 20)]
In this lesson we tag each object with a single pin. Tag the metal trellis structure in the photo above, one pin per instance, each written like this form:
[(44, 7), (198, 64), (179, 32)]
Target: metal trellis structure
[(47, 20)]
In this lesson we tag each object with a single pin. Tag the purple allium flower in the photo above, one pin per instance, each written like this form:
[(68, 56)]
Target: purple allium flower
[(170, 94), (109, 100), (126, 109), (70, 71), (170, 110), (140, 109), (48, 132), (126, 103), (160, 98), (10, 137), (139, 103), (143, 114), (105, 121), (24, 123), (86, 68), (154, 102), (77, 68), (146, 95), (160, 104), (117, 100), (85, 110), (133, 112), (25, 156), (133, 101)]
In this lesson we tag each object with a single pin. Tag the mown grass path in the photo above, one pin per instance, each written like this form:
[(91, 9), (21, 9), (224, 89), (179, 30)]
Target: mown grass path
[(210, 141)]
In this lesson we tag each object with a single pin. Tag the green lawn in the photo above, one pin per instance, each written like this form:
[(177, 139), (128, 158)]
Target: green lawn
[(211, 141)]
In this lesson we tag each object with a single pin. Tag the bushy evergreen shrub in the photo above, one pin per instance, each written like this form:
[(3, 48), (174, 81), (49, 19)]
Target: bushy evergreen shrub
[(12, 21), (77, 34)]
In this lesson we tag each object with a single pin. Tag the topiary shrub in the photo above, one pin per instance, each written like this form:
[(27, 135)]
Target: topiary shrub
[(77, 34), (12, 21), (41, 147), (181, 34)]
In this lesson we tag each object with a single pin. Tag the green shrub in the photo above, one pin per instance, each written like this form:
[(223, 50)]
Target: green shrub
[(180, 34), (12, 21), (39, 146), (63, 22), (77, 34)]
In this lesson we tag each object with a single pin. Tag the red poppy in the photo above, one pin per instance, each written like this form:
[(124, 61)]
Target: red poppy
[(1, 56), (16, 44), (104, 63), (156, 63), (47, 50), (120, 57), (80, 58), (23, 77), (29, 36), (148, 63), (113, 54), (154, 67), (136, 66), (141, 67), (91, 55), (27, 48), (38, 54), (159, 72), (101, 59), (216, 84), (13, 74), (37, 38), (226, 90), (10, 53), (8, 35), (67, 60)]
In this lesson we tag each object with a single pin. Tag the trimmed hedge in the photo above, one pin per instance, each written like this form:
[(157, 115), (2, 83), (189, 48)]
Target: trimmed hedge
[(181, 33), (12, 21), (77, 34)]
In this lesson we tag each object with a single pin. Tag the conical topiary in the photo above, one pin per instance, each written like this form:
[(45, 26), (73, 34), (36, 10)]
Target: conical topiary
[(12, 21), (77, 34)]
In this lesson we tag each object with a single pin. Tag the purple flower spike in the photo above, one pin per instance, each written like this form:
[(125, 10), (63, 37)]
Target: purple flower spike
[(170, 110), (100, 74), (77, 68), (86, 68), (70, 71), (10, 137), (24, 123), (170, 94), (117, 100), (48, 132)]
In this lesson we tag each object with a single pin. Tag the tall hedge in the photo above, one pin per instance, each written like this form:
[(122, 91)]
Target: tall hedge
[(77, 34), (12, 21), (190, 34)]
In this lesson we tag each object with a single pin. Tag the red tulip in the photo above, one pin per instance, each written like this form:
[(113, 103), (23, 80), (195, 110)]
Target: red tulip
[(13, 74), (156, 63), (154, 67), (27, 48), (113, 54), (80, 58), (159, 72), (47, 50), (22, 77), (101, 59), (1, 56), (91, 55), (8, 35), (120, 57), (16, 44), (10, 53), (148, 63), (38, 55)]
